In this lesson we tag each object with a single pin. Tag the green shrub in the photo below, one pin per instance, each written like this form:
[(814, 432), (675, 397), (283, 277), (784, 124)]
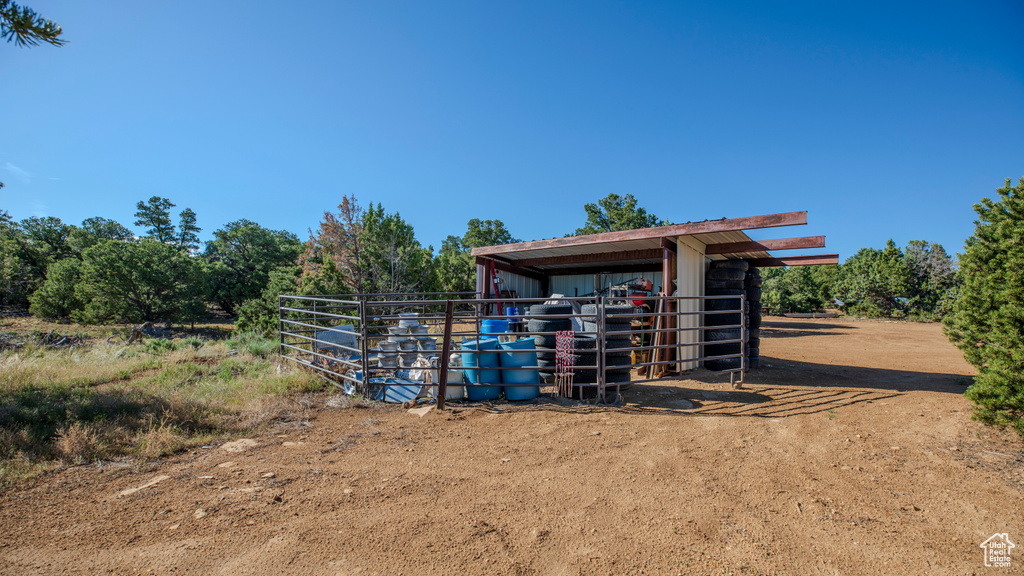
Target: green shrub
[(987, 320), (253, 343), (56, 298), (193, 341)]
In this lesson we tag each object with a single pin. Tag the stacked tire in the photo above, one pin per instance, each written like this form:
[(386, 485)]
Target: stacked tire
[(725, 278), (617, 364), (546, 344), (752, 283)]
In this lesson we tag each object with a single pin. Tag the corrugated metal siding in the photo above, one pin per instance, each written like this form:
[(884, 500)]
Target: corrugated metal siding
[(583, 284), (523, 287), (690, 262)]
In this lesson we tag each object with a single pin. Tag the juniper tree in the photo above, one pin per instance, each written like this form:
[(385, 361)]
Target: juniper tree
[(987, 321)]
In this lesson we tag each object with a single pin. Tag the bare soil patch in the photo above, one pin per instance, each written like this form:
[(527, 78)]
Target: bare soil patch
[(851, 452)]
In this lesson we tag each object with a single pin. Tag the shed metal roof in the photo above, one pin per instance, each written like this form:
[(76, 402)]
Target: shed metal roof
[(643, 247)]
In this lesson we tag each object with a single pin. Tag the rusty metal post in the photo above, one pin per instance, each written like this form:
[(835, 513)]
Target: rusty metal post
[(446, 349), (364, 334), (602, 348)]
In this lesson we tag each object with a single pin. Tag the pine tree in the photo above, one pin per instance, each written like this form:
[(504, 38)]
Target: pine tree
[(614, 213), (188, 232), (155, 216), (987, 321)]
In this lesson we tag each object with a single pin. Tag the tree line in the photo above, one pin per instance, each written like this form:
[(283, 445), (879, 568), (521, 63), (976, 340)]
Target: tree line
[(100, 271), (919, 281)]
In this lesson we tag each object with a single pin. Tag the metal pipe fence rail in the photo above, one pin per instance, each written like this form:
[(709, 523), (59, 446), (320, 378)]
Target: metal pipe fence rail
[(352, 339)]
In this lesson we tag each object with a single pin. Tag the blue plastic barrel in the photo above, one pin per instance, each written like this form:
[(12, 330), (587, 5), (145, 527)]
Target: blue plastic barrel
[(493, 326), (474, 359), (514, 355)]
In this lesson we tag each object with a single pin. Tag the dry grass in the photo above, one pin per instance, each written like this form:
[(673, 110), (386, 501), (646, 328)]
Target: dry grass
[(111, 401)]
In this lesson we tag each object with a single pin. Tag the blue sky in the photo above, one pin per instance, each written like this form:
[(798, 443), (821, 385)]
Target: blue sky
[(882, 119)]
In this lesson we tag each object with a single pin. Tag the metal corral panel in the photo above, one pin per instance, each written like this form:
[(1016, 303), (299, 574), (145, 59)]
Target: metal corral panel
[(583, 284), (690, 263)]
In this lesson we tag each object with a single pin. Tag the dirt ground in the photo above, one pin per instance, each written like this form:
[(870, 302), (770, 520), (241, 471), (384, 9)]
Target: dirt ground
[(850, 452)]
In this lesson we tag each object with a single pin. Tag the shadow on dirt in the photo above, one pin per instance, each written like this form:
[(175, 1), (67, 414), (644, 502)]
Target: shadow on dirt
[(802, 329), (789, 373), (664, 399), (780, 388), (808, 326)]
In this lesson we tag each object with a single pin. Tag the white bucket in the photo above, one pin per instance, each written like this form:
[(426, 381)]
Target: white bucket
[(455, 389)]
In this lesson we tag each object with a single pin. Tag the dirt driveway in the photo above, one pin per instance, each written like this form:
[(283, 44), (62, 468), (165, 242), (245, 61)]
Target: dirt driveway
[(851, 453)]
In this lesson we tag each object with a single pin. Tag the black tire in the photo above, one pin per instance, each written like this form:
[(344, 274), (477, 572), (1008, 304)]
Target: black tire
[(591, 309), (545, 342), (753, 352), (722, 285), (547, 309), (725, 274), (612, 363), (619, 343), (736, 264), (755, 309), (754, 333), (724, 292), (753, 363), (754, 282), (591, 327), (590, 376), (754, 342), (617, 363), (585, 343), (721, 349), (548, 325), (722, 304), (721, 334), (755, 321), (754, 294), (621, 310), (722, 364), (585, 356), (722, 320), (618, 378)]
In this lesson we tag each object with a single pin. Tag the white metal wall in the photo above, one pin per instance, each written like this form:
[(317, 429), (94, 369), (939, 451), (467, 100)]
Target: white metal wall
[(523, 287), (690, 263), (583, 284)]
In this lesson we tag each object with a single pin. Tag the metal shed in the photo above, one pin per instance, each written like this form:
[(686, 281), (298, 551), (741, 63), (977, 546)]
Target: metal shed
[(676, 256)]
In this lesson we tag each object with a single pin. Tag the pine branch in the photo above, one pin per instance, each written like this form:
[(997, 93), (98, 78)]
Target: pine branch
[(21, 25)]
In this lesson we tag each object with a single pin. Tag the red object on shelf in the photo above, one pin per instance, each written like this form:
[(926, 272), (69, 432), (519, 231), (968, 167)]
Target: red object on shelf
[(639, 302)]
